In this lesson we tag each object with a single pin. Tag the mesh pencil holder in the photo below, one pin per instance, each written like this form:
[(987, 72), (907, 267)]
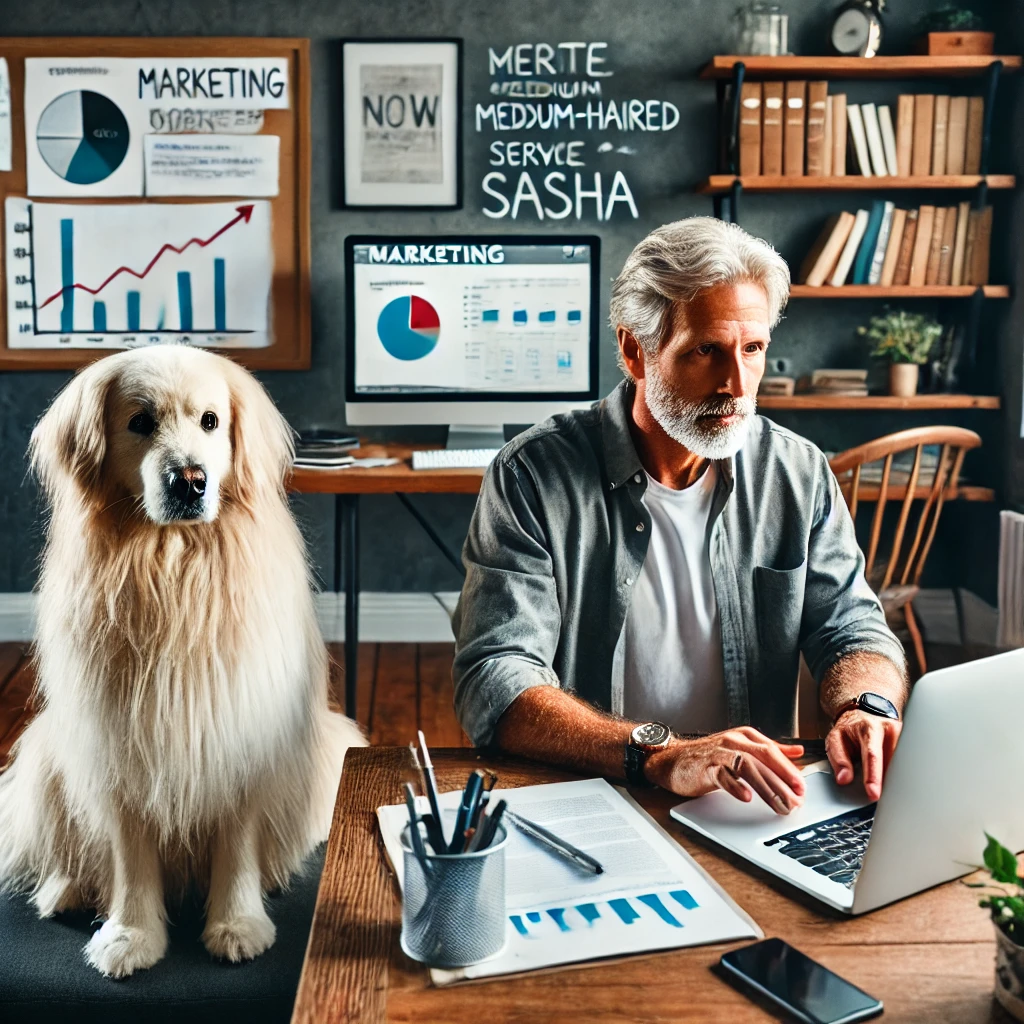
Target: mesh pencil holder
[(454, 914)]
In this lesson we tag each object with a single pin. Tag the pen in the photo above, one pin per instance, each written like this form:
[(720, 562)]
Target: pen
[(470, 798), (432, 823), (430, 785), (485, 834), (414, 829), (560, 846)]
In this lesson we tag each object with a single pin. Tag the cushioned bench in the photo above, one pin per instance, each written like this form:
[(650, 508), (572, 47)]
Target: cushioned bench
[(44, 977)]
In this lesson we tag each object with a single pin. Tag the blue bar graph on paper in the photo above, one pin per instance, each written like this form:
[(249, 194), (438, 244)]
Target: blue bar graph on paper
[(99, 316), (533, 916), (589, 912), (133, 311), (67, 274), (519, 316), (652, 901), (489, 316), (557, 915), (220, 306), (518, 922), (546, 316), (684, 899), (624, 910), (185, 300), (575, 316)]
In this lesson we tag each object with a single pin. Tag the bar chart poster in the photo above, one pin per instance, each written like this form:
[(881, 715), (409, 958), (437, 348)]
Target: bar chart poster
[(121, 276)]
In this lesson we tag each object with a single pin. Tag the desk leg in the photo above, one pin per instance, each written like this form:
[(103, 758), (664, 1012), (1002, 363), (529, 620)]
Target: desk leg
[(350, 535)]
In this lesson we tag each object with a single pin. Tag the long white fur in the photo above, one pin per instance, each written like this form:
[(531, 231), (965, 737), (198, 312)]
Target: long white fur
[(184, 731)]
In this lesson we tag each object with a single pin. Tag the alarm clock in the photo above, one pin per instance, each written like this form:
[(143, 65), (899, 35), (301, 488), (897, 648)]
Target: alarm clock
[(857, 28)]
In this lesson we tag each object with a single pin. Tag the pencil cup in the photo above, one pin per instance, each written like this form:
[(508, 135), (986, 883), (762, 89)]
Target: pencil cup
[(453, 912)]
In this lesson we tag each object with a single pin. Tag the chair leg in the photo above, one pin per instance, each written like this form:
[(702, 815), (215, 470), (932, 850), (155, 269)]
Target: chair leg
[(915, 635)]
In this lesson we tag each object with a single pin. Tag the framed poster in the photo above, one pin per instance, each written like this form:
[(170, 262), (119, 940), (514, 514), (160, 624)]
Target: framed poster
[(402, 109)]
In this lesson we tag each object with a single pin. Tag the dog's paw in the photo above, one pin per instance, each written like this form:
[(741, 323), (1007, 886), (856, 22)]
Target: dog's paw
[(57, 893), (116, 950), (239, 938)]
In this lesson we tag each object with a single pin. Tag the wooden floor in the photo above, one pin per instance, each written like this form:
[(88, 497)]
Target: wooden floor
[(402, 688)]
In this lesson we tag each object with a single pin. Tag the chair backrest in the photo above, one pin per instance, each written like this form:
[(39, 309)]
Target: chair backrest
[(848, 466)]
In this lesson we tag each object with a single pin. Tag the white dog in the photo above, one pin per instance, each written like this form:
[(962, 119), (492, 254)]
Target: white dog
[(184, 732)]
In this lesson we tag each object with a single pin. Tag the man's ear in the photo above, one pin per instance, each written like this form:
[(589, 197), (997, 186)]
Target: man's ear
[(631, 353), (70, 441)]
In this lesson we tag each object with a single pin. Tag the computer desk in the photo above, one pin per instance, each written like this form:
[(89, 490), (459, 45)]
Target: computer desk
[(347, 485), (929, 958)]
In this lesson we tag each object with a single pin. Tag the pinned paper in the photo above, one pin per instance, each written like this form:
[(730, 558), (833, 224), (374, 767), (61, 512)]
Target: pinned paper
[(212, 165), (5, 116)]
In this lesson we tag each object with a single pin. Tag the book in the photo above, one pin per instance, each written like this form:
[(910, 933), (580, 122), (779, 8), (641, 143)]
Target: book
[(866, 249), (939, 127), (922, 245), (881, 244), (904, 133), (967, 276), (945, 275), (777, 386), (960, 244), (829, 145), (839, 382), (921, 156), (975, 127), (817, 97), (982, 245), (931, 273), (956, 135), (892, 249), (793, 122), (750, 128), (873, 134), (842, 270), (888, 139), (860, 143), (838, 134), (902, 273), (825, 253), (771, 128)]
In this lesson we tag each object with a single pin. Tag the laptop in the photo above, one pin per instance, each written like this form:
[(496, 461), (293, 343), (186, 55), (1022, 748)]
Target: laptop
[(954, 776)]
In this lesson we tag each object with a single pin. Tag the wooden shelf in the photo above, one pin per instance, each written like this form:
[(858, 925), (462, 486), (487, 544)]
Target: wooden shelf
[(877, 402), (900, 291), (903, 66), (718, 184)]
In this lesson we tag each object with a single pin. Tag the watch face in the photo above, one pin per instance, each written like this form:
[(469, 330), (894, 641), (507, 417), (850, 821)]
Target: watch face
[(651, 734), (878, 705), (850, 31)]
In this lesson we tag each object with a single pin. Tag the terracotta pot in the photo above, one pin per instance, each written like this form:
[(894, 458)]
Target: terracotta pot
[(953, 44), (1009, 975), (903, 379)]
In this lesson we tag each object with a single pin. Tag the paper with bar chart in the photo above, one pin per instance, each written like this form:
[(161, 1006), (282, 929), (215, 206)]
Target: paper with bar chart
[(120, 276), (651, 896)]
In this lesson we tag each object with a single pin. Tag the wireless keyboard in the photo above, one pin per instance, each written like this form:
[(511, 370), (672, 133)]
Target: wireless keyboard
[(454, 458)]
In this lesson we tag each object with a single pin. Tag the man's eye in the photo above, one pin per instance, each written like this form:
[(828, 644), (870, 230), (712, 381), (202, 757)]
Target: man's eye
[(705, 350), (142, 423)]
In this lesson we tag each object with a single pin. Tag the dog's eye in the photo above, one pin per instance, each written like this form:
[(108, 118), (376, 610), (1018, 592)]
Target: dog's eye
[(209, 421), (142, 423)]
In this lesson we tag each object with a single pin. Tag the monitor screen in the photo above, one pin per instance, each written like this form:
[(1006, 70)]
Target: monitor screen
[(475, 318)]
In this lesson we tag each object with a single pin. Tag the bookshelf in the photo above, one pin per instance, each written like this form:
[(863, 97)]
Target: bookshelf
[(877, 403), (720, 184), (902, 66), (898, 291)]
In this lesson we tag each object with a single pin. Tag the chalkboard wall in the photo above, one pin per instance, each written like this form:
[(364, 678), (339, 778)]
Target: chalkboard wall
[(653, 51)]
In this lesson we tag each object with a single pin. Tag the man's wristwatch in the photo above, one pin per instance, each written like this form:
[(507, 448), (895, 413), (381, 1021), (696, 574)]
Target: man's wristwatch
[(644, 740), (873, 704)]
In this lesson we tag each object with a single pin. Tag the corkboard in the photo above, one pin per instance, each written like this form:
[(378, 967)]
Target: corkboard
[(290, 345)]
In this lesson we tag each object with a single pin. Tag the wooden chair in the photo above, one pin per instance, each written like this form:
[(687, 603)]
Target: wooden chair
[(897, 587)]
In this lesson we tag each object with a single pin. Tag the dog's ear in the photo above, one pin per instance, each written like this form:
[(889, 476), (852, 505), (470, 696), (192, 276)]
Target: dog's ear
[(70, 441), (262, 442)]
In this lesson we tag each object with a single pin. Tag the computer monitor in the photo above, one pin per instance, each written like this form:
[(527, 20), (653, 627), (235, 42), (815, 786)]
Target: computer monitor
[(472, 331)]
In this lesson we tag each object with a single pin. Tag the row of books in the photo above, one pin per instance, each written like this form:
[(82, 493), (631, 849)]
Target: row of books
[(797, 129), (933, 245)]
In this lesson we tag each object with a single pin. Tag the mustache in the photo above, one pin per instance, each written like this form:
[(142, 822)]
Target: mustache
[(726, 405)]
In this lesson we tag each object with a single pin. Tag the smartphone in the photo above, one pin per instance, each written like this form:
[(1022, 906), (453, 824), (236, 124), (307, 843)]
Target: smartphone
[(796, 983)]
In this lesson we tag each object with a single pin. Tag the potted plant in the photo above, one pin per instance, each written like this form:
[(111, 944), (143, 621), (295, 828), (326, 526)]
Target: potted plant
[(905, 339), (954, 30), (1005, 902)]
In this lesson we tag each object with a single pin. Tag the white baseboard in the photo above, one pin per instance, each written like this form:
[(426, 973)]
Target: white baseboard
[(383, 617)]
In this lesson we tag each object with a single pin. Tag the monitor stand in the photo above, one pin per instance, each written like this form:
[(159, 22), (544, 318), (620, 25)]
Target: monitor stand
[(487, 435)]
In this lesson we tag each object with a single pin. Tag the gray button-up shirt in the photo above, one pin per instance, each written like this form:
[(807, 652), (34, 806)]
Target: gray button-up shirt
[(560, 533)]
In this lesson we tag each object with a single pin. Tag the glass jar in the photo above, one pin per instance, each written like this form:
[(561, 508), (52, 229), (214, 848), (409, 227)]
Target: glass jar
[(761, 29)]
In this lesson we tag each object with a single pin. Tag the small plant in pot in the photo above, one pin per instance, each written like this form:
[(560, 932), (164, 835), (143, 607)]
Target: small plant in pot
[(1005, 902), (905, 340)]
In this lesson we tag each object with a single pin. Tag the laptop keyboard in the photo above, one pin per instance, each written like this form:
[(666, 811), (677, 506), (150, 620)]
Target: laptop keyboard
[(834, 848)]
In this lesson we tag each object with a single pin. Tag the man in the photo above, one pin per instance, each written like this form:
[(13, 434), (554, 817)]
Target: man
[(664, 557)]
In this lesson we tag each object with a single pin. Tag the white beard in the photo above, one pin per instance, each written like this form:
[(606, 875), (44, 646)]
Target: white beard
[(685, 421)]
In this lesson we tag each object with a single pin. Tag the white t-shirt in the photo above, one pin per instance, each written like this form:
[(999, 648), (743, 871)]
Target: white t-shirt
[(672, 635)]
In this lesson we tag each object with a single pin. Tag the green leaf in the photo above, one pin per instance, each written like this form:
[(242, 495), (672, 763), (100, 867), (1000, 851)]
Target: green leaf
[(1001, 863)]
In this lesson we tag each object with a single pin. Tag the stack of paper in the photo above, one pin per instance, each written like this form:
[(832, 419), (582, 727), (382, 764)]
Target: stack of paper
[(1011, 579)]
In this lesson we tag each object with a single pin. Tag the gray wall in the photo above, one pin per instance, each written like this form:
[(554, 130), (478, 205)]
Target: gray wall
[(655, 49)]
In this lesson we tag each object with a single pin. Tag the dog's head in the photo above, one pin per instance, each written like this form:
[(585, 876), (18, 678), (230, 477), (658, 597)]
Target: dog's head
[(179, 430)]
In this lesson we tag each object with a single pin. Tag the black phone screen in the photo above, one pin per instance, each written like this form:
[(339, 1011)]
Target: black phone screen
[(798, 982)]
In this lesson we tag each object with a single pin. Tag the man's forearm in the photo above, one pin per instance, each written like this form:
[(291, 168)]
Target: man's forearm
[(550, 725), (852, 675)]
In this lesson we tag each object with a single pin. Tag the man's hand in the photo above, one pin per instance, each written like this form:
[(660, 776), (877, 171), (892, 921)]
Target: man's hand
[(738, 760), (871, 738)]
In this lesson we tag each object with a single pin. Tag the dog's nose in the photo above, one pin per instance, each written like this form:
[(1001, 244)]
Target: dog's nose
[(187, 484)]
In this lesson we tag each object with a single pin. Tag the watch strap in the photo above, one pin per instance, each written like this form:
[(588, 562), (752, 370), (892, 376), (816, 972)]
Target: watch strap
[(635, 759)]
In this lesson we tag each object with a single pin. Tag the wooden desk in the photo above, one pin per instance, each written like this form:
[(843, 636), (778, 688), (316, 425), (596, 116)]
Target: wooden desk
[(347, 485), (929, 958)]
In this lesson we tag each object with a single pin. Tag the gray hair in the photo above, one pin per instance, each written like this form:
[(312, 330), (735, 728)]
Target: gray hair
[(678, 260)]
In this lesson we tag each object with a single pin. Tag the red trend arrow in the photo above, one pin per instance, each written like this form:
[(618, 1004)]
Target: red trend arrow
[(244, 213)]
